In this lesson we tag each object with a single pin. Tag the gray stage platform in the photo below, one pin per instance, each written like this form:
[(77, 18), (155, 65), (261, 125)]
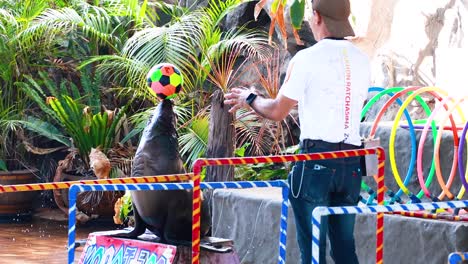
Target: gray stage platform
[(251, 218)]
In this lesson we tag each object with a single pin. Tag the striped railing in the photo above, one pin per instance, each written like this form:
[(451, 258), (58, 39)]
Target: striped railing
[(200, 163), (324, 211), (68, 184), (75, 189)]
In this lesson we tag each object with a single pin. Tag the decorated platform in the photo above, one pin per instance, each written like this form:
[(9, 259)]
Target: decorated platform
[(102, 247)]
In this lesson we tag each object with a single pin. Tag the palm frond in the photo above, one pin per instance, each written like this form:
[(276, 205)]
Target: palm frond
[(219, 9), (139, 121), (45, 129), (249, 128), (7, 20), (221, 59), (194, 140), (136, 10), (53, 25), (34, 91), (163, 44), (119, 69), (250, 43)]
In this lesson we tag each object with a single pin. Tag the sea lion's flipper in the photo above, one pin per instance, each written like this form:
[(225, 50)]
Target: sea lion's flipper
[(138, 229)]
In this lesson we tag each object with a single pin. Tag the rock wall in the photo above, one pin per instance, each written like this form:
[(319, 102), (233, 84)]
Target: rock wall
[(414, 43), (406, 38)]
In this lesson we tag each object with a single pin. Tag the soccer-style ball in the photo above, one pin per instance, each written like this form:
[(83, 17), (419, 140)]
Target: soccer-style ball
[(165, 80)]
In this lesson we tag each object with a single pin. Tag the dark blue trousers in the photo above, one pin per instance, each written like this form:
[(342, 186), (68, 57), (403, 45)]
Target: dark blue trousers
[(333, 182)]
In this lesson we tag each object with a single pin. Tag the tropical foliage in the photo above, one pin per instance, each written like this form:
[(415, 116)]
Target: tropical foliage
[(263, 136), (66, 63), (208, 57), (84, 126), (15, 16), (9, 117), (277, 15)]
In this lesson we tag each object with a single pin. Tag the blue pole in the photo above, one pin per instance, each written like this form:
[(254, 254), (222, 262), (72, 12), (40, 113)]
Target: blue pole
[(72, 222), (283, 225)]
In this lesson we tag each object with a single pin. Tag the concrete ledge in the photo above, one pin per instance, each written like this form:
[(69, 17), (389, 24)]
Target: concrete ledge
[(251, 218)]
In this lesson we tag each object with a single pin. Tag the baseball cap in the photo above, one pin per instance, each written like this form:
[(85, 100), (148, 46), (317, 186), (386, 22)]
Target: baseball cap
[(335, 14)]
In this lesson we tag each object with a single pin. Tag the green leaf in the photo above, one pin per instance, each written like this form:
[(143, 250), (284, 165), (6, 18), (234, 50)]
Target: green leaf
[(126, 205), (3, 166), (274, 6), (45, 129), (194, 139), (269, 174), (240, 152), (297, 13)]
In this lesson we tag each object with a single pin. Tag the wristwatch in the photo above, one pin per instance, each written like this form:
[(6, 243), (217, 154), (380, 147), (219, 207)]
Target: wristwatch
[(250, 98)]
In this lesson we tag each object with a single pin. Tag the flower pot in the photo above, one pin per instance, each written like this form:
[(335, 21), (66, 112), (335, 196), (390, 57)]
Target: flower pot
[(17, 203), (91, 203)]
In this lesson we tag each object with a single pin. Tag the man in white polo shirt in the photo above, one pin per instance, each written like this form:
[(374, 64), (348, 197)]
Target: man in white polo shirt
[(329, 83)]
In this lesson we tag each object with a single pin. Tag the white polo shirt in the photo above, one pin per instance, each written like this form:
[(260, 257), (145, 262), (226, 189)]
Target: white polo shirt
[(329, 81)]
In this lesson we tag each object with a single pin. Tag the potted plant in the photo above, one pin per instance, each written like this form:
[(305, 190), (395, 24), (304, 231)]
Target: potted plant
[(77, 119)]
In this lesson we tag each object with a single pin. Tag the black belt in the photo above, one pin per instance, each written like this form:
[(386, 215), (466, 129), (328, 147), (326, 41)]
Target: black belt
[(310, 143)]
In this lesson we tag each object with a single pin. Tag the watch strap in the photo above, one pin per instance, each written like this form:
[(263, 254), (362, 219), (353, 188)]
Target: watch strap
[(250, 98)]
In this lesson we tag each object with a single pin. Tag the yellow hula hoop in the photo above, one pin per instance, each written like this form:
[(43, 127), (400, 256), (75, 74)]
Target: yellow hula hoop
[(396, 123), (440, 179)]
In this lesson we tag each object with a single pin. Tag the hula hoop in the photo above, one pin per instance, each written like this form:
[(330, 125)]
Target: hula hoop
[(411, 167), (455, 155), (422, 139), (460, 158), (420, 121), (394, 197), (436, 146), (431, 90)]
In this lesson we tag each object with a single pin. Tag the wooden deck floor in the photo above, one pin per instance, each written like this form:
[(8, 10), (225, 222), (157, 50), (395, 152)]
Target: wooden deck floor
[(41, 241)]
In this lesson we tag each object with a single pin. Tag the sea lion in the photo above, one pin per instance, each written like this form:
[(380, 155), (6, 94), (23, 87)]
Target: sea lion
[(168, 214)]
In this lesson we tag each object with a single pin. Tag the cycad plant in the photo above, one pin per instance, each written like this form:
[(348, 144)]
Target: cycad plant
[(76, 121)]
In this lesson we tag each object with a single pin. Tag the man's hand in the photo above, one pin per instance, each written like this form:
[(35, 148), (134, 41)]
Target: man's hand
[(274, 109), (237, 98)]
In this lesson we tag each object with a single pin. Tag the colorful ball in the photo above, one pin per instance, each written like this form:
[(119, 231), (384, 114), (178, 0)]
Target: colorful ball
[(165, 80)]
